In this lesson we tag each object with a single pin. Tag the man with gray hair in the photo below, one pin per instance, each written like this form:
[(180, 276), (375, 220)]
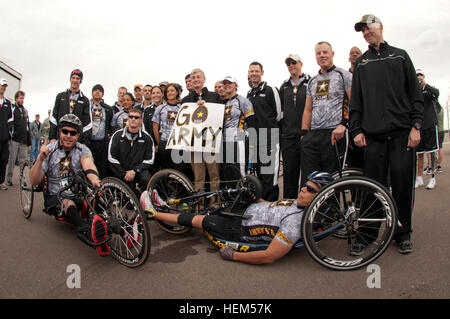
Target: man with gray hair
[(198, 164)]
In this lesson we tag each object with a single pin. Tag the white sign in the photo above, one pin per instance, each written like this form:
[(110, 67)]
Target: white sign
[(198, 128)]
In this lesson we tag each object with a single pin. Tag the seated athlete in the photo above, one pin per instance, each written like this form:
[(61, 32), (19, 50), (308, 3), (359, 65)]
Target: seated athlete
[(54, 162), (281, 222)]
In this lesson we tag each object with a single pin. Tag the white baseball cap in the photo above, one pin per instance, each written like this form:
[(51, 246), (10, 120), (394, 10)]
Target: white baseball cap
[(230, 79), (420, 71), (3, 82)]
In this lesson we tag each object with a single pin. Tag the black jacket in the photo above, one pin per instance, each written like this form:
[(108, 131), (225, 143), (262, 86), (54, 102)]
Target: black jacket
[(124, 155), (207, 96), (430, 94), (291, 124), (266, 104), (21, 126), (386, 98), (6, 121), (147, 117), (82, 110)]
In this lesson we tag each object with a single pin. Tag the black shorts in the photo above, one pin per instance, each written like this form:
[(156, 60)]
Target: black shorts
[(428, 141), (227, 228), (52, 204)]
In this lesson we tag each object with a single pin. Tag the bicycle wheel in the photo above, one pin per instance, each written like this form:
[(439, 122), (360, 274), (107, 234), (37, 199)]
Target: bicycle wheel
[(170, 184), (26, 190), (361, 206), (118, 205)]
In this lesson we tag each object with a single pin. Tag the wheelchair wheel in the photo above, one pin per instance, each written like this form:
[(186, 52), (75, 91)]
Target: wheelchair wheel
[(350, 171), (118, 205), (360, 206), (169, 185), (26, 190)]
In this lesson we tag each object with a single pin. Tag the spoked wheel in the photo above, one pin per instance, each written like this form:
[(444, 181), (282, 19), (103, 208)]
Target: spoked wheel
[(350, 171), (118, 205), (164, 188), (26, 190), (360, 206)]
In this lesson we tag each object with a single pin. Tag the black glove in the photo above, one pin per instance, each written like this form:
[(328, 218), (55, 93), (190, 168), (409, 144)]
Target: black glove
[(227, 253)]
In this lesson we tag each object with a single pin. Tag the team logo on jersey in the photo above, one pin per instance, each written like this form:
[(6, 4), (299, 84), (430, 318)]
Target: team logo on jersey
[(200, 115), (64, 165), (97, 115), (323, 90), (282, 203), (227, 113), (171, 116)]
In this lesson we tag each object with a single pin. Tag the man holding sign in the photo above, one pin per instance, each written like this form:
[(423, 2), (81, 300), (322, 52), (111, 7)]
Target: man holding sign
[(199, 166)]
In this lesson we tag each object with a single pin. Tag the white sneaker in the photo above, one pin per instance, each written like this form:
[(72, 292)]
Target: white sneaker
[(431, 183), (419, 181)]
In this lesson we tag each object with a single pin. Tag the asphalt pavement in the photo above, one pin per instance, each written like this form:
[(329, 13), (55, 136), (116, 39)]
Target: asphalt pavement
[(39, 256)]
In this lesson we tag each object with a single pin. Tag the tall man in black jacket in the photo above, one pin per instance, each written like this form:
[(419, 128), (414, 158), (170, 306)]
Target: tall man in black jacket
[(267, 107), (292, 96), (386, 114), (72, 101)]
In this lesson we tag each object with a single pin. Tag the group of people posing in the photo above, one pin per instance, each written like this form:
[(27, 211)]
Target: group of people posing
[(376, 114)]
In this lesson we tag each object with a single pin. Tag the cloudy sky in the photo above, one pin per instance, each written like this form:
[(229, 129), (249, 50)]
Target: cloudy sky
[(119, 43)]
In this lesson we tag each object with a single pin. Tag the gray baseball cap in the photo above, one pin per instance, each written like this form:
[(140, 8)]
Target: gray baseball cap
[(368, 19)]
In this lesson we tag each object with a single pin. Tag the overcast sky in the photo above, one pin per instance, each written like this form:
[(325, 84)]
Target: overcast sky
[(121, 43)]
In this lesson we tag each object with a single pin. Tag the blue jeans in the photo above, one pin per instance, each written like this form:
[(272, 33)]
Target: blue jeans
[(35, 146)]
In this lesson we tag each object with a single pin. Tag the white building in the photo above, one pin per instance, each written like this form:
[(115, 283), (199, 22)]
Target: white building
[(14, 79)]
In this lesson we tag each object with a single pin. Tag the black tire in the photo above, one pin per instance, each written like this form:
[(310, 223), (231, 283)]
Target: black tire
[(361, 206), (230, 176), (26, 190), (118, 205), (171, 184), (350, 171)]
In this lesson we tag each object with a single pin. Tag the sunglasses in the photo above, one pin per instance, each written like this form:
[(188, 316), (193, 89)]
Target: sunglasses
[(134, 117), (311, 189), (69, 132), (288, 63)]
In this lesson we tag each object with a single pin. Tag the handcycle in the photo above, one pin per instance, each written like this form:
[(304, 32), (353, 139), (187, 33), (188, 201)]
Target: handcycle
[(128, 231), (351, 208)]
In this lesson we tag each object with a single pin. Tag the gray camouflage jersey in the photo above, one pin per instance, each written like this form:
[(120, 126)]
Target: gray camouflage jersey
[(327, 92), (56, 166), (98, 115), (235, 108), (281, 220), (165, 116)]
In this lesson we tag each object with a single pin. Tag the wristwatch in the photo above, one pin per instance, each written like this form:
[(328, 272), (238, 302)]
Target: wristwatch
[(417, 126)]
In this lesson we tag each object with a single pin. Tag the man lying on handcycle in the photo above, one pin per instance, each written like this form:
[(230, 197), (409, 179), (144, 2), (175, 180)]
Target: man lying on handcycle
[(274, 223), (57, 161)]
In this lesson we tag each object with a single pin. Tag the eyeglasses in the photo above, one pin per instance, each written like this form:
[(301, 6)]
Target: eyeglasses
[(134, 117), (69, 132), (311, 189), (288, 63)]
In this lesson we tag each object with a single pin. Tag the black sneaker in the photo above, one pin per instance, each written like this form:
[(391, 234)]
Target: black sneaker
[(405, 246), (357, 249), (9, 184)]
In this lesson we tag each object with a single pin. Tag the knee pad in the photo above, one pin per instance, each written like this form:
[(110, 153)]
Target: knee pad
[(185, 219)]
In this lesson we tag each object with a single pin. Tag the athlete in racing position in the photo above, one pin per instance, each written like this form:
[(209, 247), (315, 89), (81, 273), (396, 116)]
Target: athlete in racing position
[(55, 161), (274, 223)]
